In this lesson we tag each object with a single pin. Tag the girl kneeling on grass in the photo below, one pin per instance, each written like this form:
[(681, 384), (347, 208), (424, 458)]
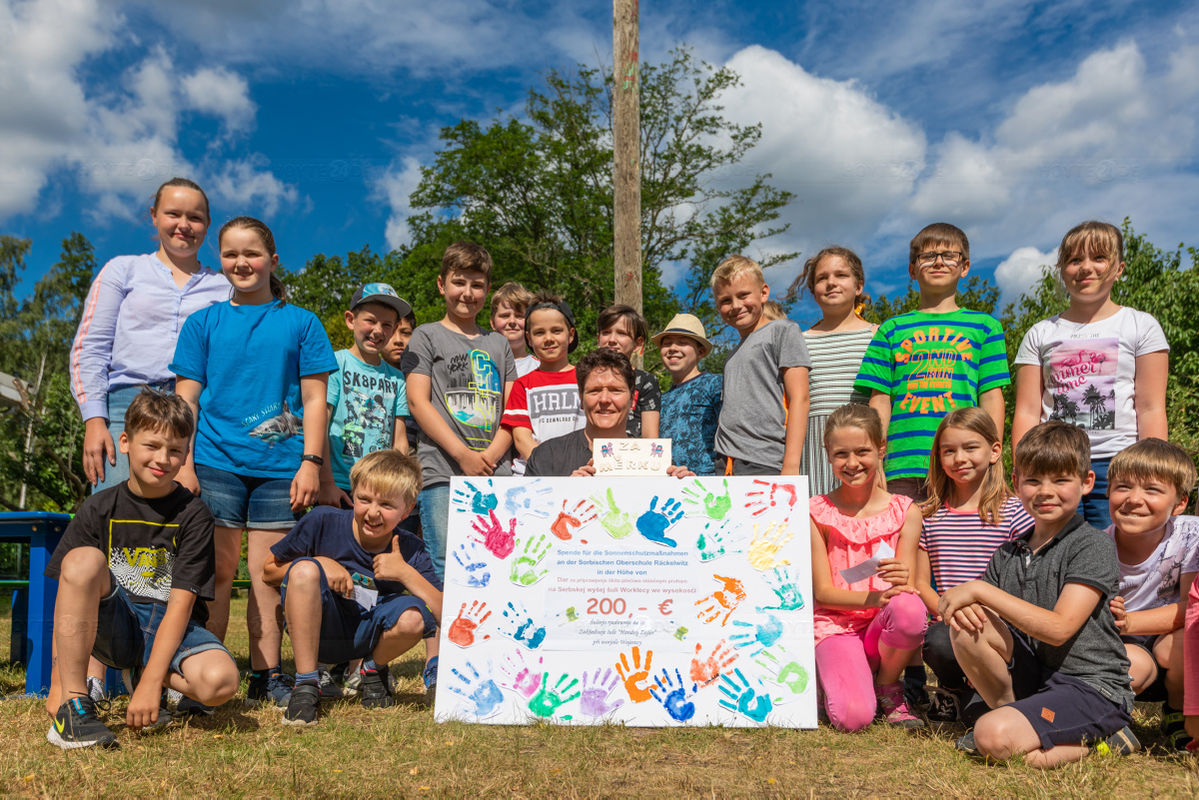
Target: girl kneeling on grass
[(866, 629)]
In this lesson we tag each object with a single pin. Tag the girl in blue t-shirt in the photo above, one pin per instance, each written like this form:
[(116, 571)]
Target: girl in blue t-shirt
[(254, 369)]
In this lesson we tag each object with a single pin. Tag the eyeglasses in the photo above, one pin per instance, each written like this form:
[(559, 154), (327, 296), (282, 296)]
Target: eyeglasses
[(950, 258)]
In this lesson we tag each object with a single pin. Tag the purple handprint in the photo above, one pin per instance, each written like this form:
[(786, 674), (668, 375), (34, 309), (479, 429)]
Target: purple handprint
[(594, 702)]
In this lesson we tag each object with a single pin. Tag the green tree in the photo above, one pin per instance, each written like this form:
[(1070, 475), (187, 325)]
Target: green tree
[(537, 192), (41, 434)]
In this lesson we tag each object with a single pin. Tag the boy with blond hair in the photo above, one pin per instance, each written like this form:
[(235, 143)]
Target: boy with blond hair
[(923, 364), (1149, 484), (764, 415), (509, 307), (1035, 634), (356, 586)]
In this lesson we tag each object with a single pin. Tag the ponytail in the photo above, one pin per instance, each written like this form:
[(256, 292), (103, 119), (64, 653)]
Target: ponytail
[(278, 290)]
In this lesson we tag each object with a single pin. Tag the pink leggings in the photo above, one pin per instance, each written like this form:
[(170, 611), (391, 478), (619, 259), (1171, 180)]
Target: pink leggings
[(1190, 655), (846, 662)]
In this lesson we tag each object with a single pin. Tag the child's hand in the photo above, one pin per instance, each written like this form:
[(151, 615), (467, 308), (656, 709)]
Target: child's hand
[(956, 598), (893, 571), (337, 576), (390, 564), (305, 486), (886, 596), (330, 494), (474, 463), (969, 619), (186, 477), (143, 706), (1116, 604)]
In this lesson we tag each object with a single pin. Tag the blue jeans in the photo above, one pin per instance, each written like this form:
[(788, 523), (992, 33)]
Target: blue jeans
[(1094, 506), (118, 403), (434, 504)]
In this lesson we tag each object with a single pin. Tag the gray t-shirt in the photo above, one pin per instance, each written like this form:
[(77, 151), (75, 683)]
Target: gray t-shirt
[(467, 376), (753, 421), (560, 456), (1078, 554)]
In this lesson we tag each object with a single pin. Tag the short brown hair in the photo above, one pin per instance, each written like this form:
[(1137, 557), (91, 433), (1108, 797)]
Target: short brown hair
[(515, 295), (1053, 448), (152, 410), (736, 265), (466, 257), (938, 233), (1094, 239), (1154, 458), (617, 311), (604, 358), (388, 472)]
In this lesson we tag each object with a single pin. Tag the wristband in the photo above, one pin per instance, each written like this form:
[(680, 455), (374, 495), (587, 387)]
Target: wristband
[(320, 462)]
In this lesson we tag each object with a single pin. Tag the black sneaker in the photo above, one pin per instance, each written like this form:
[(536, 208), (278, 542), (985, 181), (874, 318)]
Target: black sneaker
[(943, 705), (966, 744), (303, 704), (130, 678), (1121, 743), (274, 688), (1174, 729), (330, 690), (374, 689), (187, 707), (76, 725)]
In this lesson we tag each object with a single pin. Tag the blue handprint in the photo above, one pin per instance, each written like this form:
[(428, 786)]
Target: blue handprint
[(520, 626), (474, 500), (674, 695), (741, 697), (782, 582), (654, 523), (761, 635), (470, 556), (484, 694), (524, 500)]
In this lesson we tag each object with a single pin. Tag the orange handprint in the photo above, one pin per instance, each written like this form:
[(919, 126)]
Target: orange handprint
[(635, 674)]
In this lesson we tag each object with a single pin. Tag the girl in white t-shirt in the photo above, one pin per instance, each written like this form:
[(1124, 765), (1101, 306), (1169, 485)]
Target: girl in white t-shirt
[(1098, 365)]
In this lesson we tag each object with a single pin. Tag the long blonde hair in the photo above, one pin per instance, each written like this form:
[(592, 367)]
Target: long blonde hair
[(940, 486)]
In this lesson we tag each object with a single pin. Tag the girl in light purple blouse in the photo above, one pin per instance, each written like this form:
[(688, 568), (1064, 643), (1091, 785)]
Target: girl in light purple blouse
[(131, 319)]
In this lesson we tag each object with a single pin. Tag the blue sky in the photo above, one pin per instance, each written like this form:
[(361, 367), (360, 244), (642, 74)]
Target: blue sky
[(1014, 120)]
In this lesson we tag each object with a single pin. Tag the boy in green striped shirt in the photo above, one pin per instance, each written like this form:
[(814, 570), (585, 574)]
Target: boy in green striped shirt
[(923, 364)]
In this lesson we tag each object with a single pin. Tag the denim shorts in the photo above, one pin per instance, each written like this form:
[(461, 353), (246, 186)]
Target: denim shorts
[(119, 399), (241, 501), (348, 630), (126, 630)]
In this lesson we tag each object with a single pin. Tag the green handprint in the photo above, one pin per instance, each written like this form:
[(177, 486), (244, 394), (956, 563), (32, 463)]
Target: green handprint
[(711, 542), (716, 506), (548, 700), (781, 669), (617, 523), (524, 569)]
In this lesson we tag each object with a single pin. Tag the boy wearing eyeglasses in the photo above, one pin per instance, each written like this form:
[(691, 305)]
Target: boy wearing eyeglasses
[(922, 364)]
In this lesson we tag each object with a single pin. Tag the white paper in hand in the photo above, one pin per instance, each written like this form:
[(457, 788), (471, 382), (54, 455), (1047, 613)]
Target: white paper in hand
[(365, 597), (865, 569)]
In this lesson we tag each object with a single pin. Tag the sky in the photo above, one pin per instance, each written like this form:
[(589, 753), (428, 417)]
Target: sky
[(1014, 120)]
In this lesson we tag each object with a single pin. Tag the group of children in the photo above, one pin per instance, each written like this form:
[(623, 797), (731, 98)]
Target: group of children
[(1042, 626)]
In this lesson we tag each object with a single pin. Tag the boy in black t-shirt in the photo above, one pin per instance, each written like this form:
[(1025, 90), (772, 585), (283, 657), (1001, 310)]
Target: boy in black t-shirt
[(356, 586), (134, 569), (1035, 634)]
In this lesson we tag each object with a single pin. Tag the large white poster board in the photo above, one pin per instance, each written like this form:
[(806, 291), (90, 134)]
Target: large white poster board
[(646, 601)]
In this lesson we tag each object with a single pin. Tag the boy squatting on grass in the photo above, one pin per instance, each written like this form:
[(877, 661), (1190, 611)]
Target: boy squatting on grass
[(355, 586), (134, 569), (1035, 634)]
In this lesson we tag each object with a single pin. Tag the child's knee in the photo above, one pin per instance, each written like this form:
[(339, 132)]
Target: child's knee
[(907, 619), (852, 713), (82, 565), (995, 736), (410, 623), (213, 679), (303, 575)]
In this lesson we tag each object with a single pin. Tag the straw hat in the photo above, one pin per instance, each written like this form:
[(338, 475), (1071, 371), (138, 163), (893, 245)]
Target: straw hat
[(686, 325)]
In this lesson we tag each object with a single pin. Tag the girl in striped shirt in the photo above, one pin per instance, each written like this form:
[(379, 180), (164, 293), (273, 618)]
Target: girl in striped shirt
[(970, 512)]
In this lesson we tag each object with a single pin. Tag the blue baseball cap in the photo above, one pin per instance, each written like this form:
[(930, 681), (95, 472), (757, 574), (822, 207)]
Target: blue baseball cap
[(384, 295)]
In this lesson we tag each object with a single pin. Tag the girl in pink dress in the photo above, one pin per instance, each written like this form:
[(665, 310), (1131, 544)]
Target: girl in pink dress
[(869, 625)]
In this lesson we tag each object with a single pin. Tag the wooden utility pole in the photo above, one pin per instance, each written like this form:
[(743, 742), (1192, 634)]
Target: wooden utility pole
[(626, 155)]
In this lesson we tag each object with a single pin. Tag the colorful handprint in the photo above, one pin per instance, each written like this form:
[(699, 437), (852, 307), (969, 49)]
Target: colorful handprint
[(654, 523), (705, 671), (741, 697), (711, 541), (764, 547), (473, 500), (783, 583), (525, 500), (500, 542), (617, 523), (519, 677), (484, 695), (524, 568), (787, 675), (722, 601), (596, 689), (760, 635), (475, 572), (521, 627), (674, 696), (548, 700), (767, 495), (570, 521), (635, 674), (715, 506), (465, 626)]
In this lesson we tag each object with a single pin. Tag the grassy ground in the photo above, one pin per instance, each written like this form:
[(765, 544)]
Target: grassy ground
[(401, 752)]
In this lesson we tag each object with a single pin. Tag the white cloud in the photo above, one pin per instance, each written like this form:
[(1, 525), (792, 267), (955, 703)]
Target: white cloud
[(396, 185), (1024, 267), (223, 94), (250, 189)]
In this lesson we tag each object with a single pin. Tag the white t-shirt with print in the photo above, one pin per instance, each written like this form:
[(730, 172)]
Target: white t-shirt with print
[(1088, 371), (1155, 581)]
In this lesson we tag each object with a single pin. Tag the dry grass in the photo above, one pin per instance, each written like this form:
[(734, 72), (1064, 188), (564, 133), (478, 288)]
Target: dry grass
[(401, 752)]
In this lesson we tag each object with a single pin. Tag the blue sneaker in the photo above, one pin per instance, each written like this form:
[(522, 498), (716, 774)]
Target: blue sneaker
[(76, 725), (430, 678), (274, 688)]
